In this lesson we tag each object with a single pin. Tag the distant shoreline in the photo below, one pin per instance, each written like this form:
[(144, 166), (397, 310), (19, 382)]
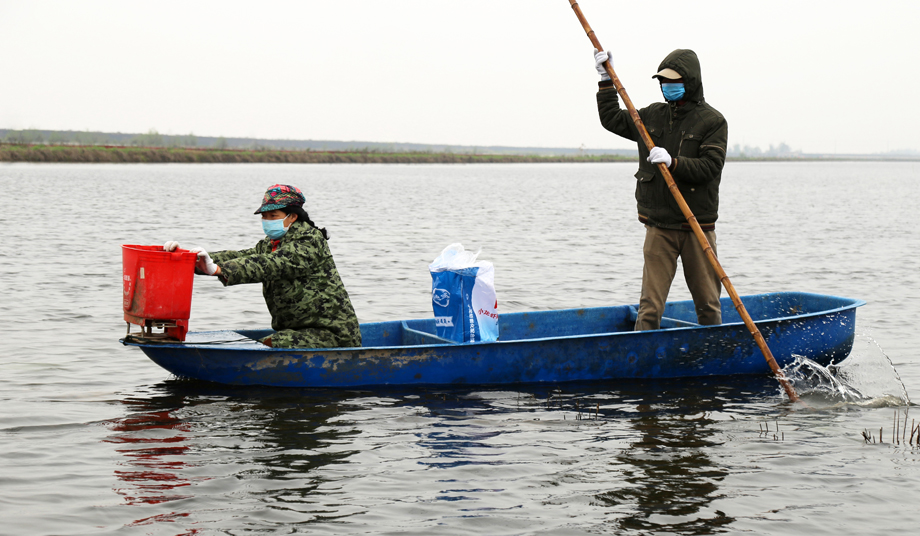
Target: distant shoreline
[(37, 153), (158, 155)]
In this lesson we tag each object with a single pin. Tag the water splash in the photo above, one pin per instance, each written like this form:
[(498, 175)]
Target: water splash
[(866, 377)]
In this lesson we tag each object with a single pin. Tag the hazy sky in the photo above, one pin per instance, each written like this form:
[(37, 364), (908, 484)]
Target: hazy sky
[(828, 76)]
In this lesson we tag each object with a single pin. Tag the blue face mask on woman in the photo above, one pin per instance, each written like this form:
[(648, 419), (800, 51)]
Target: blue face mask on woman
[(673, 92), (274, 229)]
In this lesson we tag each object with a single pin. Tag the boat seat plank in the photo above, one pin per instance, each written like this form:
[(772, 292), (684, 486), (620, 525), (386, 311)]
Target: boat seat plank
[(414, 337), (675, 323), (665, 321)]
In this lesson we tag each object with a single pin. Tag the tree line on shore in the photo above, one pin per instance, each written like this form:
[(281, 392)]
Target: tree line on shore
[(68, 137), (110, 154), (155, 139), (34, 145)]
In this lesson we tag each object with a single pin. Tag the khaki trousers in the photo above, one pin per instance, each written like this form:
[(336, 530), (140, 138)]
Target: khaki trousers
[(661, 250)]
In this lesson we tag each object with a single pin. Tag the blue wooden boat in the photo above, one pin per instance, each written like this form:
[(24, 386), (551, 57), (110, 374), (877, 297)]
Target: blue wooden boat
[(541, 346)]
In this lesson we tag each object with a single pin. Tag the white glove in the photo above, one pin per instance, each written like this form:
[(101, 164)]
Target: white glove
[(204, 262), (599, 59), (170, 246), (659, 156)]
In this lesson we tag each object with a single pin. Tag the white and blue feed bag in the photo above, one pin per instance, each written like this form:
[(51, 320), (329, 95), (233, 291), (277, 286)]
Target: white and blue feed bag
[(463, 296)]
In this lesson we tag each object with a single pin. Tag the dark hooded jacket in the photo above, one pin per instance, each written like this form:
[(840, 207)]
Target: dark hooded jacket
[(695, 134)]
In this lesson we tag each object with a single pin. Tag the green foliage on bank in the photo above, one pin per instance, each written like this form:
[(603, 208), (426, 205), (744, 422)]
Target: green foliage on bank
[(32, 152)]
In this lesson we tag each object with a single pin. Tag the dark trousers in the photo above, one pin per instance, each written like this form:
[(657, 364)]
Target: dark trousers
[(661, 250)]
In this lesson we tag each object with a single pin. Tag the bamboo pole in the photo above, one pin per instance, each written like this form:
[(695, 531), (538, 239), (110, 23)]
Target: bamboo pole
[(691, 219)]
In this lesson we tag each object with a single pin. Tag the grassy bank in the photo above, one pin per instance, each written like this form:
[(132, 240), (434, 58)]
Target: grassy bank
[(119, 154)]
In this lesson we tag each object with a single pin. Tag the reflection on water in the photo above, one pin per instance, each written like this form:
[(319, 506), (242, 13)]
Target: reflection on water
[(153, 460), (155, 446), (301, 457), (191, 442), (671, 480)]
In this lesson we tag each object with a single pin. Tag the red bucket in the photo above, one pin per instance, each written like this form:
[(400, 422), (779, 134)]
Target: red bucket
[(158, 287)]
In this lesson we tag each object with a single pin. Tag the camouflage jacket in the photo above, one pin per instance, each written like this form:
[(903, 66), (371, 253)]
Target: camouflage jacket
[(301, 286)]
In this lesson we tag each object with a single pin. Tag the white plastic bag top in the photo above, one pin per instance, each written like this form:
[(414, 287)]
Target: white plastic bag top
[(454, 257)]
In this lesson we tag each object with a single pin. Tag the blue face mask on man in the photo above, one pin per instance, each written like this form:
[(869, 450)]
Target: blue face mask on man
[(673, 91), (274, 229)]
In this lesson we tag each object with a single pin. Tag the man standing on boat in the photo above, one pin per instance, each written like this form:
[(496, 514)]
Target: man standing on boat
[(690, 138)]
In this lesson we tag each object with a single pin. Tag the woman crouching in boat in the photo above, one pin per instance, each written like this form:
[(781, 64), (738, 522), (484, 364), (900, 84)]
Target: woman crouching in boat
[(301, 285)]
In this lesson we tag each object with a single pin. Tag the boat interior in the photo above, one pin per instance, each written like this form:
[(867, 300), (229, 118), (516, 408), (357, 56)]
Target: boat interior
[(595, 320)]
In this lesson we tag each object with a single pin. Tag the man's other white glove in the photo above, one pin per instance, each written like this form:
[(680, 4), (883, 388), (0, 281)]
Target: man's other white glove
[(659, 156), (599, 59), (204, 262), (170, 246)]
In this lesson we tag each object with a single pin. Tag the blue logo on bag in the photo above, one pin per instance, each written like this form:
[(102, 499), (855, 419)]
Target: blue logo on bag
[(463, 326), (440, 297), (463, 296)]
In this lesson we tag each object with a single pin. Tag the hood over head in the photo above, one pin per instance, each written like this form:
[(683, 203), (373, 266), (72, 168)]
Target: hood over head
[(685, 62)]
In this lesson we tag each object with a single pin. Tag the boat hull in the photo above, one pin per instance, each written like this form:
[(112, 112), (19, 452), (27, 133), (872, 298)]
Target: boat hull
[(543, 346)]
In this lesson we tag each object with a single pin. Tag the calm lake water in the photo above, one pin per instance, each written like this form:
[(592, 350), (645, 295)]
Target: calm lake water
[(96, 439)]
